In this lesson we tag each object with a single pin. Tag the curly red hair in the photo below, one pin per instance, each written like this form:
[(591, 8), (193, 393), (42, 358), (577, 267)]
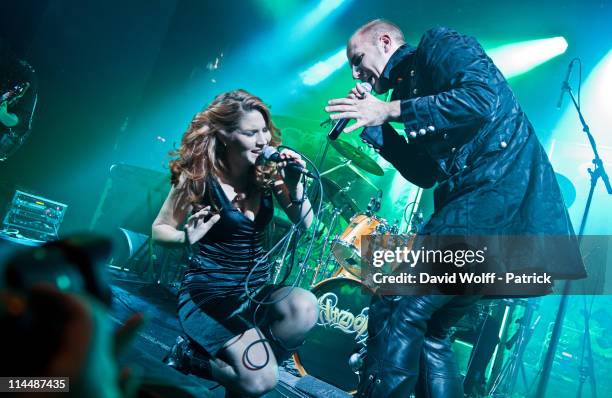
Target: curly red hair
[(201, 154)]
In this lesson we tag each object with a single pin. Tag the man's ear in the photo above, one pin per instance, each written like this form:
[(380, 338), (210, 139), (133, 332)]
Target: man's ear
[(386, 41)]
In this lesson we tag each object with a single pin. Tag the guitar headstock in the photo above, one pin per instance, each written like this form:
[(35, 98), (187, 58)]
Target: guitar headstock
[(12, 95)]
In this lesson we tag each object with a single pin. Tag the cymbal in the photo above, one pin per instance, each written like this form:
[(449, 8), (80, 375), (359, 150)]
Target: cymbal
[(339, 198), (357, 157), (567, 189)]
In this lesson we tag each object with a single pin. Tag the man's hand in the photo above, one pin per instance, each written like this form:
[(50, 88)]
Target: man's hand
[(367, 111)]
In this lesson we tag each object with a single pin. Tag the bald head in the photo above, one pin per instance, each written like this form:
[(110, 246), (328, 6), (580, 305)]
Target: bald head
[(378, 27)]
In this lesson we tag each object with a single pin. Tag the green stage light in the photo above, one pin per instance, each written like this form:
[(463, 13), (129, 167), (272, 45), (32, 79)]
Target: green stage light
[(517, 58), (323, 69)]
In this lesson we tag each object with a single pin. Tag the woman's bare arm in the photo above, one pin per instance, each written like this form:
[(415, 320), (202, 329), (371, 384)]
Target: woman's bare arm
[(167, 227)]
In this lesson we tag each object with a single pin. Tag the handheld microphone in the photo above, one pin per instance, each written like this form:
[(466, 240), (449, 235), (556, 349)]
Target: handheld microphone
[(341, 124), (375, 202), (565, 84), (271, 154)]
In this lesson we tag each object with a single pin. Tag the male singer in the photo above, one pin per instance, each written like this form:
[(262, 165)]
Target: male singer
[(465, 132)]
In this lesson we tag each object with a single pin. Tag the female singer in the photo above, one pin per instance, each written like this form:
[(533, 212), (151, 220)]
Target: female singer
[(225, 195)]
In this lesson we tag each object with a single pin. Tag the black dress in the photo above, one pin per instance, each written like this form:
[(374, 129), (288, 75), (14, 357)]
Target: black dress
[(213, 305)]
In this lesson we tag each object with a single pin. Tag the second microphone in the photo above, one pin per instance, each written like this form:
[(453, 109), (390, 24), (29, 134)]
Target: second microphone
[(271, 154)]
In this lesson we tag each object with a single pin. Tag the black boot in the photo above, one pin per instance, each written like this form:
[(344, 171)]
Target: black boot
[(175, 358), (390, 368), (184, 358)]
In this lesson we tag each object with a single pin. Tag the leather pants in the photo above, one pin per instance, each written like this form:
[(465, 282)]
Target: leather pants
[(408, 348)]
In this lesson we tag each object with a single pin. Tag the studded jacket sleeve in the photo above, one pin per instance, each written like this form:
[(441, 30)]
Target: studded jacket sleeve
[(411, 161), (459, 73)]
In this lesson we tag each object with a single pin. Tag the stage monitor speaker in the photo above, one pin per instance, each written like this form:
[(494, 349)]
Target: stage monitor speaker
[(128, 247)]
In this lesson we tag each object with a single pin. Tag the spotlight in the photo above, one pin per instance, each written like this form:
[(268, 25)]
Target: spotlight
[(323, 69), (517, 58)]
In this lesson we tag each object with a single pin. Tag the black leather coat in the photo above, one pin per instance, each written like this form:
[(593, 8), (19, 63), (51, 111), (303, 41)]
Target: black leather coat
[(466, 132)]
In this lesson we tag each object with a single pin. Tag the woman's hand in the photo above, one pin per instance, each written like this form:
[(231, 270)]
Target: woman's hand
[(199, 223), (290, 176), (289, 190)]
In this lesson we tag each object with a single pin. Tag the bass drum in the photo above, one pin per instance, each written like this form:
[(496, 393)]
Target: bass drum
[(341, 331)]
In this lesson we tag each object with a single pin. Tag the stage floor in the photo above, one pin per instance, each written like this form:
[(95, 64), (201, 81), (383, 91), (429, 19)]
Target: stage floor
[(131, 295)]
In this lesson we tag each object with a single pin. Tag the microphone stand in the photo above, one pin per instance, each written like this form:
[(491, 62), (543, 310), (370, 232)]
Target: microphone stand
[(596, 173)]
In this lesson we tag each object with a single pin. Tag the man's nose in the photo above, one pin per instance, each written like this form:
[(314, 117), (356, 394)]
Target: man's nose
[(356, 72)]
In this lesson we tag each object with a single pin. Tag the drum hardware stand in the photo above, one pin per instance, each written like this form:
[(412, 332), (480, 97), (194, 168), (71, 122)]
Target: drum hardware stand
[(320, 262), (300, 274), (280, 262), (394, 229), (356, 360), (587, 371), (335, 212), (374, 203), (506, 381), (348, 164), (416, 222), (329, 255), (416, 217), (325, 150)]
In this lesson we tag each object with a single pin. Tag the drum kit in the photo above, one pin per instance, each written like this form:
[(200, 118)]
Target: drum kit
[(336, 344)]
